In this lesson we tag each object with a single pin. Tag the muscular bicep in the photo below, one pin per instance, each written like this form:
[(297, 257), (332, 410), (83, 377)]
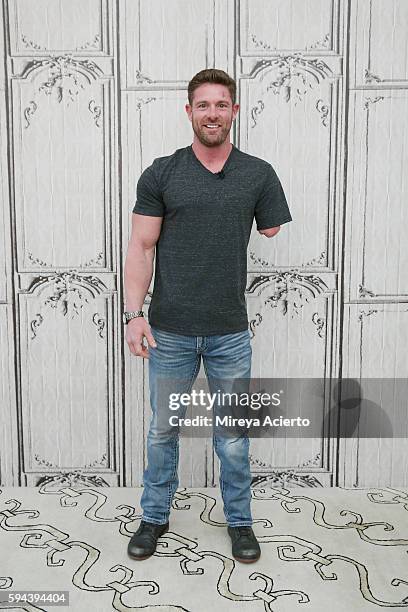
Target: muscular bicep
[(145, 231)]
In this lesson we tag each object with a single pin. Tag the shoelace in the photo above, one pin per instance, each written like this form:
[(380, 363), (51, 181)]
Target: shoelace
[(148, 528), (244, 531)]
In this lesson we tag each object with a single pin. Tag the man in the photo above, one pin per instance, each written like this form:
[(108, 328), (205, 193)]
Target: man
[(196, 208)]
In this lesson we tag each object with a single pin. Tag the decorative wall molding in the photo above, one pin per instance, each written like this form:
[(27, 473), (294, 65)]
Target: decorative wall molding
[(96, 111), (142, 79), (67, 76), (292, 291), (100, 323), (70, 293), (369, 77), (264, 263), (364, 292), (102, 462), (323, 109), (368, 101), (366, 313), (71, 479), (30, 44), (90, 263), (29, 112), (93, 44), (320, 324), (322, 44), (294, 72), (282, 478), (296, 75)]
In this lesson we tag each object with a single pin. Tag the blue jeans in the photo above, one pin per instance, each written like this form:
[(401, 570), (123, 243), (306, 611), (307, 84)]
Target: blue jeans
[(225, 356)]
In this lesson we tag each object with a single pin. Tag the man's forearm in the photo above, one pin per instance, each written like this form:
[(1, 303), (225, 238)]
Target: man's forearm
[(137, 276)]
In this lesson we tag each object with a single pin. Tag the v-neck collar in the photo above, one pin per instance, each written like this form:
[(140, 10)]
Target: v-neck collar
[(225, 166)]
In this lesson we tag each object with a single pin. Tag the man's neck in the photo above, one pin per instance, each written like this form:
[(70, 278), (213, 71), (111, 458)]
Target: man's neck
[(211, 155)]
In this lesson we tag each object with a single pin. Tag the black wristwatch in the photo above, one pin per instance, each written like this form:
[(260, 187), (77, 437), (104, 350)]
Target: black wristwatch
[(128, 316)]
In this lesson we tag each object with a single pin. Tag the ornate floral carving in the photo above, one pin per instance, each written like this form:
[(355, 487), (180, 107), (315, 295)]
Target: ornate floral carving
[(267, 264), (295, 76), (319, 322), (141, 101), (36, 261), (70, 291), (365, 313), (141, 78), (96, 111), (95, 261), (259, 260), (46, 463), (71, 479), (368, 101), (369, 77), (294, 72), (100, 323), (292, 290), (35, 324), (29, 111), (316, 260), (261, 44), (93, 44), (280, 478), (323, 109), (30, 44), (364, 292), (254, 323), (325, 43), (316, 460), (256, 110), (66, 77)]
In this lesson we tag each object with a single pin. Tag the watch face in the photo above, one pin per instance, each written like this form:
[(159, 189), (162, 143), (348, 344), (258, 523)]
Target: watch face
[(124, 319)]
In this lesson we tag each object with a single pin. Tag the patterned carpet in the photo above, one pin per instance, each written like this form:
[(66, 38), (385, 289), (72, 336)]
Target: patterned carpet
[(338, 549)]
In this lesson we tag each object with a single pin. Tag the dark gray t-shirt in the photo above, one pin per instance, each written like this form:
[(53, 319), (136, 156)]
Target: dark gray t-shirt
[(201, 254)]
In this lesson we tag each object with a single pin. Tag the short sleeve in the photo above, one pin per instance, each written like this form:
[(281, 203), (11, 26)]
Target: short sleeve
[(271, 208), (149, 198)]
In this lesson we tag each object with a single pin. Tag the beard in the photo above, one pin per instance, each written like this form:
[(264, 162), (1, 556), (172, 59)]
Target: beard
[(211, 139)]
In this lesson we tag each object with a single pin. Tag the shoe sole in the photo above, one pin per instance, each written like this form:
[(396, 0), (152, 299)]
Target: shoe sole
[(241, 560), (146, 556)]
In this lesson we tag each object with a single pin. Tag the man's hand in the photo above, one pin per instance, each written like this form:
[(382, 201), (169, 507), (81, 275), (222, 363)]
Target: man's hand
[(138, 329)]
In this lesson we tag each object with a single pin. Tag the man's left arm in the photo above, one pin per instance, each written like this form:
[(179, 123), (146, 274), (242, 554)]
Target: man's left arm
[(270, 232), (271, 209)]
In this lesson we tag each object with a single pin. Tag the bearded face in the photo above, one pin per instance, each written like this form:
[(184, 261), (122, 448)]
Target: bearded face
[(212, 113)]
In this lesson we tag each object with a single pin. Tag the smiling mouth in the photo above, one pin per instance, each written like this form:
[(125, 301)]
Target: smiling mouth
[(211, 127)]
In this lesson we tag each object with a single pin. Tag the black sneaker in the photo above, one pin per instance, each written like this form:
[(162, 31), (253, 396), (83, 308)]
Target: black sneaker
[(144, 541), (245, 547)]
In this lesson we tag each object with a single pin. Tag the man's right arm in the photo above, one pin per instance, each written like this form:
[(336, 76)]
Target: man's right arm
[(138, 274)]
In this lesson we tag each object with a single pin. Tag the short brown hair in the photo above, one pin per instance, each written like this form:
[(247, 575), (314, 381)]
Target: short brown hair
[(211, 75)]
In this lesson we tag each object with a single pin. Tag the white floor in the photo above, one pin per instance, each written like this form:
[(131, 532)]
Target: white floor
[(322, 549)]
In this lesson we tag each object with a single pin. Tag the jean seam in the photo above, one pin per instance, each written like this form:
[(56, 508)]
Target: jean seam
[(195, 372), (173, 476)]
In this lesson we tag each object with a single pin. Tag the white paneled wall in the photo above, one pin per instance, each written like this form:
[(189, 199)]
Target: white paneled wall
[(91, 91)]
